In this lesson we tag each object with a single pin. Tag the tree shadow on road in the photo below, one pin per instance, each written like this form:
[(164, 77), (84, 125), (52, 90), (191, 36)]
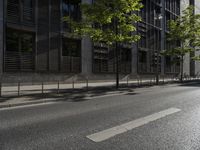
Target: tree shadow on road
[(195, 83), (68, 95)]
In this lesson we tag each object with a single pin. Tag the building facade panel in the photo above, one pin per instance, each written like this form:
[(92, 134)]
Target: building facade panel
[(38, 41), (55, 36), (197, 63), (1, 35), (43, 36)]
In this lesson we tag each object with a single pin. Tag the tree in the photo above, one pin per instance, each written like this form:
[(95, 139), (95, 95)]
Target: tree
[(110, 22), (182, 34)]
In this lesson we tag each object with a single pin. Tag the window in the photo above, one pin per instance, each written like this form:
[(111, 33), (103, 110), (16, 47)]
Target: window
[(28, 10), (71, 55), (19, 54), (20, 11), (13, 10), (71, 8), (142, 57), (71, 47)]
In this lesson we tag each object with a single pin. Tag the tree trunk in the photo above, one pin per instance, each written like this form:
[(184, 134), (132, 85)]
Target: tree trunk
[(117, 64), (117, 54), (181, 79)]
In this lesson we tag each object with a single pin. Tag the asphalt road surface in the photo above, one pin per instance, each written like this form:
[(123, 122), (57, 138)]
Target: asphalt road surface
[(156, 118)]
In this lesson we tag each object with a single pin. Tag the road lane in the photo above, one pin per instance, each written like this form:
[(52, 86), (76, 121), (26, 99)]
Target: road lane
[(65, 125)]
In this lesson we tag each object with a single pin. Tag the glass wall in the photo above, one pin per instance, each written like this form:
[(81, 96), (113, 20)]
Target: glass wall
[(150, 31), (71, 55), (19, 54), (71, 8), (104, 60), (20, 11)]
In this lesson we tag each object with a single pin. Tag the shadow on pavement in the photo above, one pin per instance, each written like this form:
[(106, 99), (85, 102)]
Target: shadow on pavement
[(195, 83), (69, 95)]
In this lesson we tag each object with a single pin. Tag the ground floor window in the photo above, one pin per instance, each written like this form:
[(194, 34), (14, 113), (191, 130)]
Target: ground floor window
[(71, 55), (19, 53), (142, 62), (104, 60), (172, 65)]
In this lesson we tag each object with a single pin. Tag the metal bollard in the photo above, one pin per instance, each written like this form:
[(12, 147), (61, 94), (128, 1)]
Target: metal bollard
[(58, 90), (73, 84), (42, 88), (141, 81), (87, 86), (0, 89), (18, 89)]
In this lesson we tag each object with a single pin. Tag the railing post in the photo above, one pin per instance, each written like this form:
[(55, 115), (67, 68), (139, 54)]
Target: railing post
[(0, 89), (18, 88), (150, 81), (42, 88), (87, 83), (58, 90), (138, 81), (127, 82), (72, 83), (141, 81)]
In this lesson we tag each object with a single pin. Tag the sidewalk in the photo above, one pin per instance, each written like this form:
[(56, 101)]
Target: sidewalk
[(33, 94), (12, 91)]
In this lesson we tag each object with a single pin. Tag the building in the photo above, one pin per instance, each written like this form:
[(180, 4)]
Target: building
[(34, 41)]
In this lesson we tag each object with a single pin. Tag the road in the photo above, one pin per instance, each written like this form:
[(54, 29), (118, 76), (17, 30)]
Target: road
[(72, 125)]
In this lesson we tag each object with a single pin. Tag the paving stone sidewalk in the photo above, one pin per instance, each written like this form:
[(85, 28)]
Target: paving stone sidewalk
[(33, 94)]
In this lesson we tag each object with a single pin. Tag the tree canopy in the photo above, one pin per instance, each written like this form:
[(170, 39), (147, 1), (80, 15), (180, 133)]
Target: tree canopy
[(184, 34), (108, 21)]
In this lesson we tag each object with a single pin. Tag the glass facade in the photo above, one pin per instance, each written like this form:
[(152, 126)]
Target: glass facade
[(20, 11), (150, 30), (71, 8), (104, 59), (19, 54), (34, 29), (71, 55)]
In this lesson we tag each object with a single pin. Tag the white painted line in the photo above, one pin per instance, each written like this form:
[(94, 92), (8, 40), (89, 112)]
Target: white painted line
[(107, 95), (26, 106), (108, 133)]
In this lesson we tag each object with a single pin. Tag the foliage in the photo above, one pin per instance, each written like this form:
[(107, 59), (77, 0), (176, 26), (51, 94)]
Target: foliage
[(108, 21), (184, 34)]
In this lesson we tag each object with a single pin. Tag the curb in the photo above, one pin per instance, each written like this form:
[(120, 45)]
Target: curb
[(25, 104), (55, 100)]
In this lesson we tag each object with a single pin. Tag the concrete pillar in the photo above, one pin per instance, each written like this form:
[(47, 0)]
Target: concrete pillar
[(1, 34), (86, 56), (186, 65), (134, 63)]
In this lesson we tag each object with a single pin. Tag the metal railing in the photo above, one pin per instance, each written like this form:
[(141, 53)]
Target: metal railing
[(21, 88)]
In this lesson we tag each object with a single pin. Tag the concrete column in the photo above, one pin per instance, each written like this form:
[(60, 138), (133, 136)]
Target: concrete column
[(86, 56), (134, 63), (1, 35)]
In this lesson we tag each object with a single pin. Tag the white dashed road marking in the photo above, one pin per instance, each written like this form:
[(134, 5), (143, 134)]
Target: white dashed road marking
[(108, 133)]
